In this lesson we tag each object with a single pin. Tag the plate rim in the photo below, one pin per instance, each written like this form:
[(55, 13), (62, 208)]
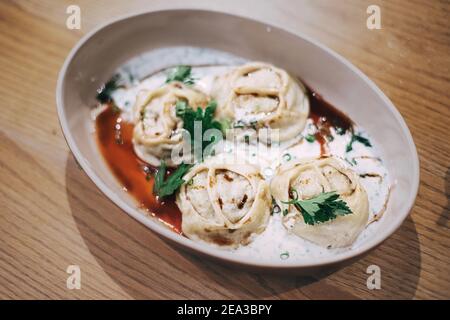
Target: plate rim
[(204, 249)]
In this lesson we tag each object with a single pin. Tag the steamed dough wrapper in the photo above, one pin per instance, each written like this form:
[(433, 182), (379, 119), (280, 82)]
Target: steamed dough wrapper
[(310, 178), (224, 204), (261, 95), (157, 129)]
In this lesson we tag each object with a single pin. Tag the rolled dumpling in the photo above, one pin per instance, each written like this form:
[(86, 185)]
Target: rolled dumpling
[(310, 178), (223, 203), (263, 96), (157, 129)]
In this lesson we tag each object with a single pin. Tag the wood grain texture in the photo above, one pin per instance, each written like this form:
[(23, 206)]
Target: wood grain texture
[(52, 216)]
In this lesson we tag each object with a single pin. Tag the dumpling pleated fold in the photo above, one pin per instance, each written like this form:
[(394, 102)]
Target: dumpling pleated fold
[(224, 203), (158, 131), (263, 96), (311, 177)]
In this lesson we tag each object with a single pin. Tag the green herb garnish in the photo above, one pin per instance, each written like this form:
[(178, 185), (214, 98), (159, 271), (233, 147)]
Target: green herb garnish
[(182, 74), (287, 157), (284, 255), (206, 117), (244, 124), (275, 207), (106, 90), (165, 187), (326, 206), (351, 162), (357, 138), (310, 138)]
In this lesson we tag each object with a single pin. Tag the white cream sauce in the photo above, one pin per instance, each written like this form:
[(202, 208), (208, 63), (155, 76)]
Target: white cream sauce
[(275, 243)]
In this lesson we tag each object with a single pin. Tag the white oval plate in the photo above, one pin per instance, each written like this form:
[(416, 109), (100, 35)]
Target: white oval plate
[(98, 54)]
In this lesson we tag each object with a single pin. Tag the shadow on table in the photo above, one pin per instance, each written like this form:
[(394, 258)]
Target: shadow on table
[(146, 266)]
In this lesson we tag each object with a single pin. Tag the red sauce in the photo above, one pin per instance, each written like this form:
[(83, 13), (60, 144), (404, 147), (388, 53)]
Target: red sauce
[(326, 116), (114, 140), (137, 177)]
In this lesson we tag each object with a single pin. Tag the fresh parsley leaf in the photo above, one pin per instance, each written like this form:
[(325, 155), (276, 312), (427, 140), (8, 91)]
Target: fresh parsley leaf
[(165, 187), (310, 138), (362, 140), (159, 178), (357, 138), (326, 206), (239, 124), (206, 119), (253, 124), (182, 74), (106, 90), (180, 108), (275, 207)]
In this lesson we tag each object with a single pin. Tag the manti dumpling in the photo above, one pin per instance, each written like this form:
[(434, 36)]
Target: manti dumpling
[(157, 129), (311, 177), (223, 203), (261, 95)]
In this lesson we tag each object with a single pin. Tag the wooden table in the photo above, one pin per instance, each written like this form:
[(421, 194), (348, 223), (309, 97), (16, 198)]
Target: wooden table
[(53, 216)]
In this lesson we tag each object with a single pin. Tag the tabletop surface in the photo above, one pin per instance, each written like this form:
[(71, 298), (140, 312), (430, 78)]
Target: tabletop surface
[(53, 216)]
